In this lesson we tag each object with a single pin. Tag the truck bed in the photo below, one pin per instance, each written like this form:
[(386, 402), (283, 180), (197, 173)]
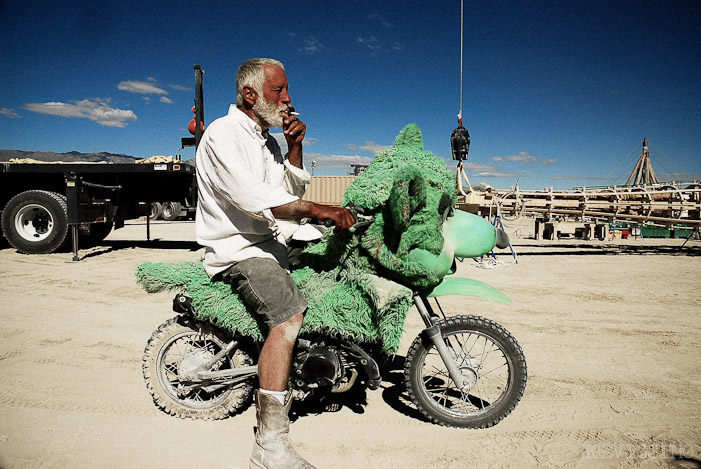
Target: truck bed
[(135, 182)]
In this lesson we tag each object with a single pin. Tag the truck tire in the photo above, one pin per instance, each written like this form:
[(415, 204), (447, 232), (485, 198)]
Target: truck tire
[(156, 210), (36, 222), (171, 211)]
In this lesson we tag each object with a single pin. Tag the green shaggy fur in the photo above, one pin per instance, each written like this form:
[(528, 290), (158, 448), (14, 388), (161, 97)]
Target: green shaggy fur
[(409, 192), (359, 286), (343, 309)]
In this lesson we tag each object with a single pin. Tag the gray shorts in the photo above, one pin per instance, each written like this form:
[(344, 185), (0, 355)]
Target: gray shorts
[(266, 288)]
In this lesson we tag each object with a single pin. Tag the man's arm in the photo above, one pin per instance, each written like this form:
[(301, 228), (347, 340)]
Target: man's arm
[(341, 217), (294, 131)]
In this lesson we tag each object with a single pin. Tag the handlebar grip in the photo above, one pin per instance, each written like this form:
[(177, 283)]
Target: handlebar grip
[(328, 223)]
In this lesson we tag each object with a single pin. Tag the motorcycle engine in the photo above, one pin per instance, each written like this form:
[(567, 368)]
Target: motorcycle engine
[(317, 365)]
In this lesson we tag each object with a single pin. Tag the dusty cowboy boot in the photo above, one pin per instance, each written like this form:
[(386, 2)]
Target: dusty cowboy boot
[(273, 449)]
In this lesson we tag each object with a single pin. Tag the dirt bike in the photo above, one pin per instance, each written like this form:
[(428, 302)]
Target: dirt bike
[(461, 371)]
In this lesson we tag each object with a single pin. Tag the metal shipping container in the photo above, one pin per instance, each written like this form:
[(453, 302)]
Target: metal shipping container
[(327, 190)]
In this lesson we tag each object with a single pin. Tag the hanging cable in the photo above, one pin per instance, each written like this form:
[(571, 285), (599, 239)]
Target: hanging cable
[(460, 138), (462, 6)]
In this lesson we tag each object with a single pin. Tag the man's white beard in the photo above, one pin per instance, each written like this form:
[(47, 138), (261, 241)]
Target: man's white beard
[(268, 114)]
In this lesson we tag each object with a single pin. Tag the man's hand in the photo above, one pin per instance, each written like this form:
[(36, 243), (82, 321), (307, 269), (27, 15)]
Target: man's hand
[(341, 217), (293, 128)]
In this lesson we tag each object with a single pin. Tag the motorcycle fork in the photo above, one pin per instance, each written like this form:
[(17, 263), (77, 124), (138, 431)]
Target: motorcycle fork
[(445, 350)]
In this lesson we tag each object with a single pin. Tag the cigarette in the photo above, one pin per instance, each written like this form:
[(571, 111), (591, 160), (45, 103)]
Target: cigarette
[(294, 113)]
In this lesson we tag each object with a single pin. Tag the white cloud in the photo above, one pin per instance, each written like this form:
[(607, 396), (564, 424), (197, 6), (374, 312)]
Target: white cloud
[(380, 38), (312, 46), (96, 110), (679, 176), (369, 146), (180, 88), (523, 157), (324, 161), (9, 113), (280, 137), (141, 87), (480, 170), (164, 99), (381, 19), (371, 42), (486, 170)]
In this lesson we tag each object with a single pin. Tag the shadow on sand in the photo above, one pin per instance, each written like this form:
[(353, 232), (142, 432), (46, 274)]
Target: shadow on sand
[(113, 246), (583, 249), (392, 388)]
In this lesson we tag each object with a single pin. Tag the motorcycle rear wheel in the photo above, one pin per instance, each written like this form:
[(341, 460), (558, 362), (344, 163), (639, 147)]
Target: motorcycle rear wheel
[(486, 354), (181, 343)]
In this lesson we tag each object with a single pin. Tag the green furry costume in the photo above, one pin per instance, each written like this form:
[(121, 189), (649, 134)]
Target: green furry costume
[(359, 286)]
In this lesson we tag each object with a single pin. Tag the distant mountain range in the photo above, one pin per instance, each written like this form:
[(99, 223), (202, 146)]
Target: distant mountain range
[(71, 156)]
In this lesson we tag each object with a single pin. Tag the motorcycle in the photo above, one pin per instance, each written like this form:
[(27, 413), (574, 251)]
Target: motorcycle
[(461, 370)]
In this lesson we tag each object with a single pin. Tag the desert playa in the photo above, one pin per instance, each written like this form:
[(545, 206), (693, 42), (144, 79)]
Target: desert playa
[(611, 332)]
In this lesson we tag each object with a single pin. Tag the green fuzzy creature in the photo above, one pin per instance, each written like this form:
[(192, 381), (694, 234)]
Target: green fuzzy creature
[(359, 285), (410, 193)]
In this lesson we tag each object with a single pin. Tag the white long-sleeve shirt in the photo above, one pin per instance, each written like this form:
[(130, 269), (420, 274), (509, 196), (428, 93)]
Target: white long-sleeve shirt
[(241, 175)]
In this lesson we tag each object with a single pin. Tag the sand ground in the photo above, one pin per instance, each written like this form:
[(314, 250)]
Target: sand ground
[(611, 332)]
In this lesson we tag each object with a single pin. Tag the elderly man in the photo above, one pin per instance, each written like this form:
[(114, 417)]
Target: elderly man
[(247, 191)]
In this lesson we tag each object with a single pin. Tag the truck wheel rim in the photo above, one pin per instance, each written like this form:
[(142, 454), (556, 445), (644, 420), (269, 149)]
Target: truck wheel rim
[(34, 223)]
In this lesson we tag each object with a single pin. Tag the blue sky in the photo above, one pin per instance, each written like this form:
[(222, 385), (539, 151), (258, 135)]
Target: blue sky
[(555, 93)]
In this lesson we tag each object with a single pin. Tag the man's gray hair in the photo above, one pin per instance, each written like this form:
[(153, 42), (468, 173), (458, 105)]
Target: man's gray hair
[(251, 74)]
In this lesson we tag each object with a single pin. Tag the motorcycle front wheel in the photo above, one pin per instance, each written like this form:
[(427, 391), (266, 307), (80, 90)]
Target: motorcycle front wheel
[(176, 348), (490, 360)]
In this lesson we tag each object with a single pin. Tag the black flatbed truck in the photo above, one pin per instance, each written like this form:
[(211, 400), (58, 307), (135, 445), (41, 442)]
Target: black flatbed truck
[(42, 202), (47, 205)]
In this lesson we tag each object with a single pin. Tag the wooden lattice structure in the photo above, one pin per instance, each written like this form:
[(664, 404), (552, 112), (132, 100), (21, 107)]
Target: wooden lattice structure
[(643, 174)]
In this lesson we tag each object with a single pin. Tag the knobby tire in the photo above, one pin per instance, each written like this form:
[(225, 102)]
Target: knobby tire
[(480, 344), (175, 339)]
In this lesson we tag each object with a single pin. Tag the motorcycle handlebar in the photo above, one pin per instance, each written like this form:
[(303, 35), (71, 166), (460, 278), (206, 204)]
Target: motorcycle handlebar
[(358, 213)]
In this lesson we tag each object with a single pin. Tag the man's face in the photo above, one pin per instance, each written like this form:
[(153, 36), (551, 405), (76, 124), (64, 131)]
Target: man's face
[(275, 97)]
